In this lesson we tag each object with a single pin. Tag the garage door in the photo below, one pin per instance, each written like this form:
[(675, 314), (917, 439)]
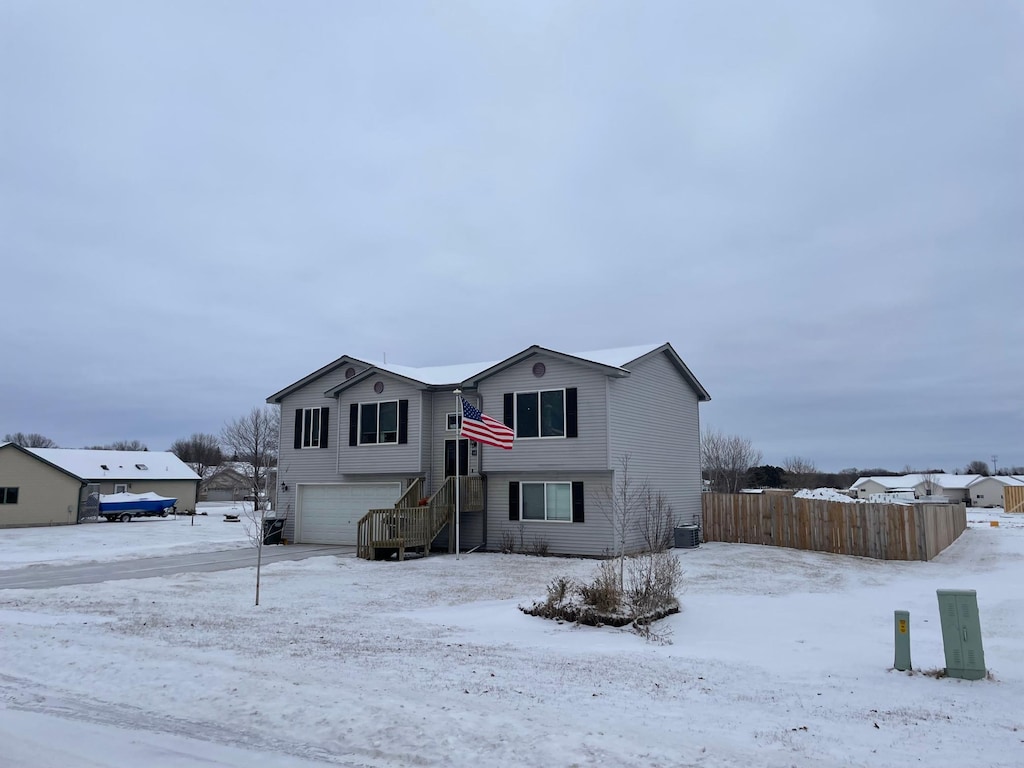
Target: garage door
[(329, 514)]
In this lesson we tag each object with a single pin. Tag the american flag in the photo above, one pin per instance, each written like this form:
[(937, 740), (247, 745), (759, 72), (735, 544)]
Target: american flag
[(482, 428)]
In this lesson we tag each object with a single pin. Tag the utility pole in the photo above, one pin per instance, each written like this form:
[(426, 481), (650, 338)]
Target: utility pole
[(994, 460)]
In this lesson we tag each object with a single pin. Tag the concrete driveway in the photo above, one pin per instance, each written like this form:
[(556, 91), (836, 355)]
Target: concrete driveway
[(46, 576)]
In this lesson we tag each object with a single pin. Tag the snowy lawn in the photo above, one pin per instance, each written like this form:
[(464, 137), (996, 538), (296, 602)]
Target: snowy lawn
[(778, 658), (101, 541)]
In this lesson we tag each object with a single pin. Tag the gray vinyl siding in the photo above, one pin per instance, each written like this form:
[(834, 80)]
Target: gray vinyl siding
[(390, 457), (471, 533), (654, 417), (594, 537), (340, 463), (587, 452)]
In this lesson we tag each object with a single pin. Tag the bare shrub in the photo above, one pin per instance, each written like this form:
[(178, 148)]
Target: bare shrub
[(650, 595), (651, 583), (657, 522), (508, 541), (604, 594), (540, 547)]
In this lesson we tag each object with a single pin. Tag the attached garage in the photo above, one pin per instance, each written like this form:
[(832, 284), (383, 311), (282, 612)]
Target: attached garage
[(330, 513)]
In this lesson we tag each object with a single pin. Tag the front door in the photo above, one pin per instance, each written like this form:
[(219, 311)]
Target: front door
[(449, 457)]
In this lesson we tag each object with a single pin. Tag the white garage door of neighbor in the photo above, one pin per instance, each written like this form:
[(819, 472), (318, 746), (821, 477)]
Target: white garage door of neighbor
[(329, 514)]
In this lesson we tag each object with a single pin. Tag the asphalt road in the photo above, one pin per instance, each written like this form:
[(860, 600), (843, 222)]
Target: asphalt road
[(46, 576)]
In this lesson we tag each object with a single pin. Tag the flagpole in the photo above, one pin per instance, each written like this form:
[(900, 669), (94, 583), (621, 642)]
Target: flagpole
[(458, 443)]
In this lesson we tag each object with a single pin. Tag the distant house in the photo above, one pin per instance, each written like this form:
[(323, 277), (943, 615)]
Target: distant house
[(35, 492), (232, 481), (939, 485), (359, 435), (988, 491), (37, 487)]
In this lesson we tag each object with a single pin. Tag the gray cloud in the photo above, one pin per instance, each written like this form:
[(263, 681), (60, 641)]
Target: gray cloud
[(819, 206)]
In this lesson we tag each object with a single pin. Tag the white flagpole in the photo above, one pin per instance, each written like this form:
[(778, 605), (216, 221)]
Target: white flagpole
[(458, 442)]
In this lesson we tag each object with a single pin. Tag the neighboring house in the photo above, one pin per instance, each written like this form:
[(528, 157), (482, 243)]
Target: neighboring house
[(938, 485), (232, 481), (988, 491), (34, 491), (159, 472), (357, 435)]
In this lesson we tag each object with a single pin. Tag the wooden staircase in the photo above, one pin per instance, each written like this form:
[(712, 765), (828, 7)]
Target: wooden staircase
[(415, 522), (408, 525)]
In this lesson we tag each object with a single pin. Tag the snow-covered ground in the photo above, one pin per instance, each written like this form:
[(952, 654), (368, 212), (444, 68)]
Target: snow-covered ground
[(778, 658)]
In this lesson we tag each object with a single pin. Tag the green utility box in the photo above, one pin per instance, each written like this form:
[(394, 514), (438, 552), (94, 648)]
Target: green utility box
[(961, 633)]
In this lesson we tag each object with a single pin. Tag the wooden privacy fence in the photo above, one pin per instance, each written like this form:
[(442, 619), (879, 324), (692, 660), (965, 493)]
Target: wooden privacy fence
[(881, 531), (1013, 498)]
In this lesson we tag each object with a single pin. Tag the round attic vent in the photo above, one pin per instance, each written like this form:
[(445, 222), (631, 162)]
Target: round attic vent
[(378, 387), (539, 369), (350, 372)]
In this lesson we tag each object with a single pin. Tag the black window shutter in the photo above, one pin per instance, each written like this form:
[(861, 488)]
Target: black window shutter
[(510, 410), (325, 420), (403, 421), (571, 422), (298, 428), (353, 424), (577, 502), (513, 500)]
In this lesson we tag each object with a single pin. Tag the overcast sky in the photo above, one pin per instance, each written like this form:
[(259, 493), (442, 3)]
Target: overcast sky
[(820, 205)]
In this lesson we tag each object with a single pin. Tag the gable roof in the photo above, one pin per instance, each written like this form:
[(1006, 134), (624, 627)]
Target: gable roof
[(90, 464), (32, 453), (941, 479), (1002, 479), (610, 361)]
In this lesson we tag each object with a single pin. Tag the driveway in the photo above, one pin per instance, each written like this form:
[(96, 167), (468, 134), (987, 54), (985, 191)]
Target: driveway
[(46, 576)]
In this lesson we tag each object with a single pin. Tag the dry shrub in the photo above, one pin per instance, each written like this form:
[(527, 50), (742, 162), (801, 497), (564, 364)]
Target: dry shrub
[(603, 594), (649, 595)]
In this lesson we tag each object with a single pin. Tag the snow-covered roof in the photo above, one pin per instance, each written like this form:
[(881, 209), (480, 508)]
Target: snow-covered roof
[(467, 373), (454, 374), (435, 375), (90, 464), (1003, 479), (941, 479)]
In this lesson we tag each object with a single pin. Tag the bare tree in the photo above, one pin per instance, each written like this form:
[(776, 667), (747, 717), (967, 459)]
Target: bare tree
[(200, 451), (725, 460), (621, 504), (657, 522), (800, 472), (253, 439), (930, 482), (128, 445), (977, 467), (31, 440), (120, 445)]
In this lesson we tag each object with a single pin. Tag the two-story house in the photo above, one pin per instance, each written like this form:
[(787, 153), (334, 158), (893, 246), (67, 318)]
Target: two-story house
[(358, 436)]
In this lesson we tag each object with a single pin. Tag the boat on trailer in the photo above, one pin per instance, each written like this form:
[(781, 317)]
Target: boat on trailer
[(125, 506)]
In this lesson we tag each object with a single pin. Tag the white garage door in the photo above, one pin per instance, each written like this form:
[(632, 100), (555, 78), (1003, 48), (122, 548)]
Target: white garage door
[(329, 514)]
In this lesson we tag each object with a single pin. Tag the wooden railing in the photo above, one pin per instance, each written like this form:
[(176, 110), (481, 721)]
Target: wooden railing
[(471, 493), (412, 495), (409, 525), (399, 529)]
